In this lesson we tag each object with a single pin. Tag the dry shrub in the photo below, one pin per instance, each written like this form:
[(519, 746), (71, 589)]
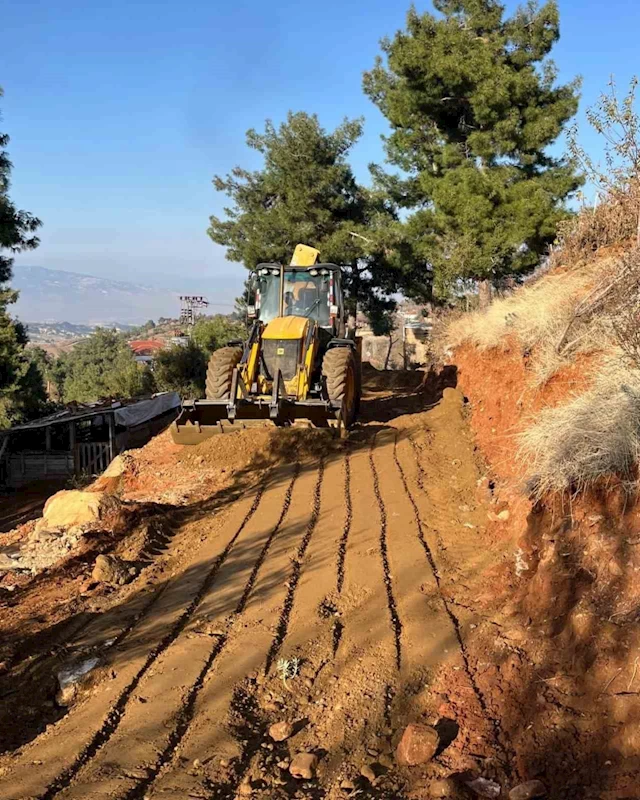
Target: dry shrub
[(614, 221), (537, 315), (625, 307), (591, 437)]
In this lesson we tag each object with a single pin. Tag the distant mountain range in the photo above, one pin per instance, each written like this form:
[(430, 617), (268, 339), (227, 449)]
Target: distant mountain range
[(50, 295)]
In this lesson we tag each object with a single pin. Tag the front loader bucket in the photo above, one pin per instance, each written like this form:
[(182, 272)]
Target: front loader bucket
[(202, 419)]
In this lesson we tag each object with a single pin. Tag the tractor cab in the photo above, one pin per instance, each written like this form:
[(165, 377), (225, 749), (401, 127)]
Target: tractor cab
[(313, 292)]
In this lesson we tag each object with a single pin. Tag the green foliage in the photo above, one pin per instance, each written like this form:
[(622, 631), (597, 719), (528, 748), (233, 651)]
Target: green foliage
[(181, 369), (21, 396), (102, 366), (473, 105), (210, 333), (306, 193)]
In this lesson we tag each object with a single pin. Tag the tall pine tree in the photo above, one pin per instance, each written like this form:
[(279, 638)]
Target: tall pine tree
[(473, 106), (306, 192), (20, 391)]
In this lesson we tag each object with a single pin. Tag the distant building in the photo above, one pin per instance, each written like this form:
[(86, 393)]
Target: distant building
[(145, 350), (180, 341)]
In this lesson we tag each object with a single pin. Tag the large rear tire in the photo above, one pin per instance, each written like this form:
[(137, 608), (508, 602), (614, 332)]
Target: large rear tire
[(220, 372), (340, 373)]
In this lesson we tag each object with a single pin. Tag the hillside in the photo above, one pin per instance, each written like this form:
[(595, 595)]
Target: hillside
[(49, 295)]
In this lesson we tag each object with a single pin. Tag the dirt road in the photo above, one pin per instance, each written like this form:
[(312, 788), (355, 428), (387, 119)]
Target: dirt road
[(354, 558)]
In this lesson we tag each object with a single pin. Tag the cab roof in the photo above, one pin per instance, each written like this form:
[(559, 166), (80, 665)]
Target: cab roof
[(272, 265)]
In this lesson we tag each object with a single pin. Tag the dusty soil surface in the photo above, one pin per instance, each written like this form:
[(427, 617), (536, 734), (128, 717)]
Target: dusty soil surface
[(345, 587)]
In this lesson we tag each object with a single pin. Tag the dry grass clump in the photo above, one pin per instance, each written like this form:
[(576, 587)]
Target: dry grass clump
[(614, 221), (593, 436), (539, 315)]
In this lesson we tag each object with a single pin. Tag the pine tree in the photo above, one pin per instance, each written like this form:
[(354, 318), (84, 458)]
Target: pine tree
[(20, 394), (306, 192), (473, 105)]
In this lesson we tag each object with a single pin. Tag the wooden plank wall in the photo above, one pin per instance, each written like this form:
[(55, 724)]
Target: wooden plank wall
[(34, 465)]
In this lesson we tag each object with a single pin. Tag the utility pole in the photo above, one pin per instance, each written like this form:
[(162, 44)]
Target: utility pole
[(188, 306)]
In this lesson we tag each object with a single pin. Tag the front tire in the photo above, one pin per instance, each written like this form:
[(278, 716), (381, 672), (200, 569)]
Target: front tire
[(340, 374), (220, 372)]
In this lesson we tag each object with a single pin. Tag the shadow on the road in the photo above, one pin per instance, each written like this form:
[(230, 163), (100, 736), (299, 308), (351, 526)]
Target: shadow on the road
[(394, 394)]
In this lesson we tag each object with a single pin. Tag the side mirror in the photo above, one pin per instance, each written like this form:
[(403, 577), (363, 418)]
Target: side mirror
[(251, 312)]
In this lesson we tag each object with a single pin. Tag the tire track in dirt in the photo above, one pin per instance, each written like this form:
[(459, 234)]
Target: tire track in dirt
[(338, 625), (344, 539), (283, 622), (282, 627), (418, 449), (447, 605), (186, 713), (144, 775), (116, 713), (343, 696), (228, 692), (384, 554)]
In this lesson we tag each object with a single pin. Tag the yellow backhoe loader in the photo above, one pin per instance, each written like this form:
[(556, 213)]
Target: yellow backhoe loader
[(299, 363)]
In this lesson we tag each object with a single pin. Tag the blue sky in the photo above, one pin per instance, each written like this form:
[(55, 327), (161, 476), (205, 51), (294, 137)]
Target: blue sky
[(121, 112)]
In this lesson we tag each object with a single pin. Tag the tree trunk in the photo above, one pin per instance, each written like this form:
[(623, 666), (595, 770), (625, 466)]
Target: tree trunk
[(386, 361), (484, 294), (355, 296)]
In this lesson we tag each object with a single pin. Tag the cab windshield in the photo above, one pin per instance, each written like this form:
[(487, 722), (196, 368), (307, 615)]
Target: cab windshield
[(305, 295)]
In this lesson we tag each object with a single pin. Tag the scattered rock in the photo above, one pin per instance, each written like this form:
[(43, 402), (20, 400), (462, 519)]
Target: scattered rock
[(386, 761), (137, 774), (502, 516), (116, 468), (72, 508), (111, 569), (69, 679), (368, 773), (528, 791), (304, 766), (446, 787), (280, 731), (417, 745), (484, 787), (245, 789), (348, 785), (8, 563)]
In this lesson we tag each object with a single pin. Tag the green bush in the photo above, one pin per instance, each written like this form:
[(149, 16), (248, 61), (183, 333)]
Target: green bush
[(211, 333), (182, 369)]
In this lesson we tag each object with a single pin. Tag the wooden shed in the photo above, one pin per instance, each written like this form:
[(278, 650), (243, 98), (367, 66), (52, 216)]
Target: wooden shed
[(81, 440)]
